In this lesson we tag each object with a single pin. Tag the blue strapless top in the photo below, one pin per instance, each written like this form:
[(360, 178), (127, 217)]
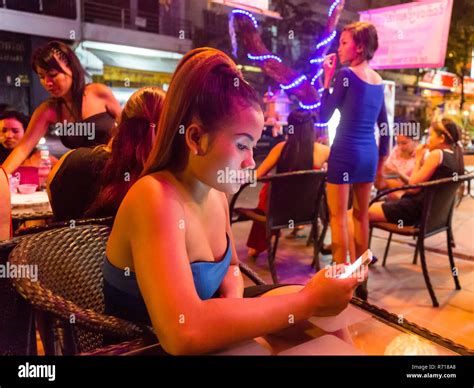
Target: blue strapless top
[(207, 276)]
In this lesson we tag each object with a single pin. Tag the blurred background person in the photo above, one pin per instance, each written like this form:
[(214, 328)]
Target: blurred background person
[(444, 160), (400, 163), (5, 207), (72, 101), (91, 182), (299, 152)]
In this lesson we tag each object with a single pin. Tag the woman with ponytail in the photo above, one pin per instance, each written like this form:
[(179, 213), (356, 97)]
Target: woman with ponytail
[(445, 160), (91, 182), (299, 152), (172, 230)]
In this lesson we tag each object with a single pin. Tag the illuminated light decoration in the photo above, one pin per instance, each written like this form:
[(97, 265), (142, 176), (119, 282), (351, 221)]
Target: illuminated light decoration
[(294, 84), (316, 60), (321, 125), (247, 13), (333, 7), (317, 75), (310, 107), (326, 41), (320, 90), (264, 57)]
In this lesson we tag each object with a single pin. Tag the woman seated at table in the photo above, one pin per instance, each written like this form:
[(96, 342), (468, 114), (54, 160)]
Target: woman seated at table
[(5, 207), (299, 152), (12, 131), (400, 163), (91, 182), (445, 160), (171, 257)]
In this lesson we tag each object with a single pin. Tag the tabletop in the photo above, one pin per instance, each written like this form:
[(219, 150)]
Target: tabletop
[(361, 329)]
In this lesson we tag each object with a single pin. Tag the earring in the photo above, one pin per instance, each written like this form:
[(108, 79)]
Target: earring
[(195, 152)]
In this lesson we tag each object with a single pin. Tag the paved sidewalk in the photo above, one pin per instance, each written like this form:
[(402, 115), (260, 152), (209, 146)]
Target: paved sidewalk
[(399, 287)]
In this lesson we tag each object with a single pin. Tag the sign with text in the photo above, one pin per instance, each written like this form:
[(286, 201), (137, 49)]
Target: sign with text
[(411, 35)]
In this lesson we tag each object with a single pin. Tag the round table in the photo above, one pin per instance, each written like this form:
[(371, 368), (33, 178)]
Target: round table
[(33, 206)]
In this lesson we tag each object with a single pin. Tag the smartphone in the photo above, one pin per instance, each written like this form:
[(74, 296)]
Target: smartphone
[(365, 259)]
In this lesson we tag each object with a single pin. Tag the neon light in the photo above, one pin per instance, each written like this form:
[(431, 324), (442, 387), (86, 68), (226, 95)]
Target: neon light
[(316, 60), (320, 125), (246, 13), (264, 57), (317, 75), (326, 41), (310, 107), (294, 84), (333, 7)]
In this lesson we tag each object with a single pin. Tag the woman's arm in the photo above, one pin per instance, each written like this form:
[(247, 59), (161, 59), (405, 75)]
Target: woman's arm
[(320, 156), (422, 172), (183, 322), (5, 207), (37, 128), (329, 102), (271, 160)]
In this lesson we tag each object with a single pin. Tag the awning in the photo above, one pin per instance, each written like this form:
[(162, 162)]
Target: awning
[(136, 62)]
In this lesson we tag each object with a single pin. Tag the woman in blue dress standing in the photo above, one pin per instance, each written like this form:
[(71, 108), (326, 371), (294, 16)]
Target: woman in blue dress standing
[(355, 160)]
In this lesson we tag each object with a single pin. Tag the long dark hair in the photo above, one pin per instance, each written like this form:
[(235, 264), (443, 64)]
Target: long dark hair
[(452, 137), (131, 145), (206, 86), (45, 57), (297, 153)]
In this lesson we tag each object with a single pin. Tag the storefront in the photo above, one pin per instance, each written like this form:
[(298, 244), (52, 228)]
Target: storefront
[(126, 69)]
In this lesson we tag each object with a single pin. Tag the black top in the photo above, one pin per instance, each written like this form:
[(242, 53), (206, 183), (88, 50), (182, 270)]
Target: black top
[(90, 132), (77, 183), (409, 207), (4, 153), (93, 131)]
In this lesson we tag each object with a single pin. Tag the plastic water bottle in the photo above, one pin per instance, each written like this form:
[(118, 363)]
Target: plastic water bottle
[(44, 168)]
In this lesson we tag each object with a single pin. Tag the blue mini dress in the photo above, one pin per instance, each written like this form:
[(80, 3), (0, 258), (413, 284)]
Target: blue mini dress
[(354, 153)]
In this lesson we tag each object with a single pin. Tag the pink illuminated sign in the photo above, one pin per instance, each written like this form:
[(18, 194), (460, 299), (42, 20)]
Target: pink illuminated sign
[(411, 35)]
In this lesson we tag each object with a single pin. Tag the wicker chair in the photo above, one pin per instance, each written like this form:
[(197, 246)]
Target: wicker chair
[(66, 224), (68, 292), (294, 196), (69, 288), (438, 205)]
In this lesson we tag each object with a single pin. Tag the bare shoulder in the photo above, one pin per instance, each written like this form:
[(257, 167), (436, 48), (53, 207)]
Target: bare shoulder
[(280, 145), (376, 77), (99, 90)]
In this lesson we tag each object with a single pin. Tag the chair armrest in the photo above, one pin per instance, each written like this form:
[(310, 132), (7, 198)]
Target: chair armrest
[(119, 349), (251, 274), (423, 185), (63, 224), (45, 300)]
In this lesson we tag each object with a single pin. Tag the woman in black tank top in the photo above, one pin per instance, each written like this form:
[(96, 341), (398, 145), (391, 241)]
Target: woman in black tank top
[(445, 160), (62, 75), (91, 182)]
